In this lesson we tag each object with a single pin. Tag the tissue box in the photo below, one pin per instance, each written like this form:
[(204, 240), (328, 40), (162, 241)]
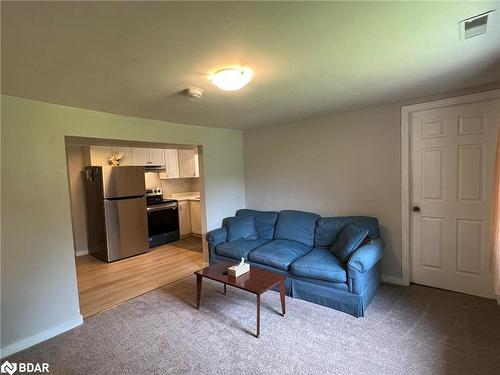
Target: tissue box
[(238, 269)]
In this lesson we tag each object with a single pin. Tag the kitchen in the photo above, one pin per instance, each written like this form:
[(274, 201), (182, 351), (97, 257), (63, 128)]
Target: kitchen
[(137, 212)]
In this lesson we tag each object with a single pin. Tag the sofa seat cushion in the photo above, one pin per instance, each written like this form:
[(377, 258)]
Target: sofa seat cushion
[(238, 249), (279, 253), (320, 264)]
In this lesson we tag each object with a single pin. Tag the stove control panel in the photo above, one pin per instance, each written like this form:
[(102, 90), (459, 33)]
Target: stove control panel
[(154, 191)]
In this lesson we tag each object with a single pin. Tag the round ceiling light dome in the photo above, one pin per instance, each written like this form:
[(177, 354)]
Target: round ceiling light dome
[(231, 79)]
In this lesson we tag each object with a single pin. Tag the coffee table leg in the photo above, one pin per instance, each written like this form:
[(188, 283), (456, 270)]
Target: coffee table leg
[(225, 289), (258, 315), (282, 296), (199, 280)]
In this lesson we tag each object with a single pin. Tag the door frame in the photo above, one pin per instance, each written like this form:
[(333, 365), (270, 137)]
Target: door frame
[(406, 112)]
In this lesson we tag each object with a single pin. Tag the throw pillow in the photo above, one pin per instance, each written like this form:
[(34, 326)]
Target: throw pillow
[(349, 240), (241, 228)]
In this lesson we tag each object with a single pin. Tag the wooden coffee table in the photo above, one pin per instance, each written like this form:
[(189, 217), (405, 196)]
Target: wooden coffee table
[(255, 281)]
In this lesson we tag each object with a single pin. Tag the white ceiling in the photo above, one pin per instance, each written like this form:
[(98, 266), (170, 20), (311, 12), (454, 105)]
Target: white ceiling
[(309, 58)]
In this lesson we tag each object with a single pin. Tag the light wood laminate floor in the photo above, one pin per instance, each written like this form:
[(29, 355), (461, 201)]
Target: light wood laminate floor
[(102, 285)]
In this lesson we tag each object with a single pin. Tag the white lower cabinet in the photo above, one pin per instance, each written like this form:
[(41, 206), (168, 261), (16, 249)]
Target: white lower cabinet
[(184, 218), (195, 217)]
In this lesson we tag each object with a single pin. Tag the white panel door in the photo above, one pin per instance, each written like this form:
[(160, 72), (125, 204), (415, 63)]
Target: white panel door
[(452, 158)]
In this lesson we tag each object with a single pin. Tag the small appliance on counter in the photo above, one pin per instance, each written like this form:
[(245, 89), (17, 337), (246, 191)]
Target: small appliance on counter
[(116, 212), (163, 218)]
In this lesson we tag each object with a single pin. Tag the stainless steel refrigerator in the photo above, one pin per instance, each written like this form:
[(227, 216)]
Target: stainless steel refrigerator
[(117, 223)]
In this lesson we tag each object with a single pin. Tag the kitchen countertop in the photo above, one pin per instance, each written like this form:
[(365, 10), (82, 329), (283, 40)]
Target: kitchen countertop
[(188, 196)]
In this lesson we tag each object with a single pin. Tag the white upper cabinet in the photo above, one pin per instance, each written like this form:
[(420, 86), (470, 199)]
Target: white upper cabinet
[(178, 163), (196, 164), (156, 156), (97, 155), (148, 156), (126, 152), (187, 163), (171, 163), (139, 156)]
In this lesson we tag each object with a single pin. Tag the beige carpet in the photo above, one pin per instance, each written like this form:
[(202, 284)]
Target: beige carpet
[(414, 330)]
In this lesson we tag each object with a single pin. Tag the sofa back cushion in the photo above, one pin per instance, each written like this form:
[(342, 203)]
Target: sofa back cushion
[(350, 238), (241, 228), (265, 222), (329, 228), (296, 226)]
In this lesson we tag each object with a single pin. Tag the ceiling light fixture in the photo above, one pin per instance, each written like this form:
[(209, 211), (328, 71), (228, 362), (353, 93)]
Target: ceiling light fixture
[(193, 92), (231, 79)]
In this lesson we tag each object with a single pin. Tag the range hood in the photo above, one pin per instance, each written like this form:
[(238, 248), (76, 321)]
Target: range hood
[(154, 167)]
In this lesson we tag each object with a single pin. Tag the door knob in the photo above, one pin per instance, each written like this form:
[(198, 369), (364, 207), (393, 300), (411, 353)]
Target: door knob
[(416, 209)]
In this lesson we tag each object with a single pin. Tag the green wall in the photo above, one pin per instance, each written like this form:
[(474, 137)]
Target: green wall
[(39, 289)]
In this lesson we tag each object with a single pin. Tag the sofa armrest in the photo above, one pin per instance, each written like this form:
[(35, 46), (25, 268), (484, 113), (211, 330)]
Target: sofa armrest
[(365, 257), (216, 237)]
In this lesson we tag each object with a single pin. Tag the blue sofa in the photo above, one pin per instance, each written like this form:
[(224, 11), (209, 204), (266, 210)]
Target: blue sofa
[(296, 244)]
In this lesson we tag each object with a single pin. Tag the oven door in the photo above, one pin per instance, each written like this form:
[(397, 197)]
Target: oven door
[(163, 224)]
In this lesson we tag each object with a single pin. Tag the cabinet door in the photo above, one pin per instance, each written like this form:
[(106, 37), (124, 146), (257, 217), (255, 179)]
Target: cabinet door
[(171, 163), (140, 156), (99, 155), (195, 217), (127, 154), (184, 218), (196, 165), (156, 156), (186, 163)]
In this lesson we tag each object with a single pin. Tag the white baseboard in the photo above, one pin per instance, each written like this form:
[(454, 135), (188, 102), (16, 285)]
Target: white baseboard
[(42, 336), (79, 253), (393, 280)]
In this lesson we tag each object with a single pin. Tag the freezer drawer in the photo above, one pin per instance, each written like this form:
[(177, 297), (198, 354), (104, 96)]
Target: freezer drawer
[(126, 227)]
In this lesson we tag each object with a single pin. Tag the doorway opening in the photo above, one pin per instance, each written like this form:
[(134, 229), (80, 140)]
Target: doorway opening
[(144, 232)]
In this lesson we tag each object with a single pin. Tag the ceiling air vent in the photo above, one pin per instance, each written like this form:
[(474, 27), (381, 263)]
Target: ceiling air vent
[(474, 26)]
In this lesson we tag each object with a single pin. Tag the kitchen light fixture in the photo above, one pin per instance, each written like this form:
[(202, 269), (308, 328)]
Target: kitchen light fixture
[(231, 79)]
